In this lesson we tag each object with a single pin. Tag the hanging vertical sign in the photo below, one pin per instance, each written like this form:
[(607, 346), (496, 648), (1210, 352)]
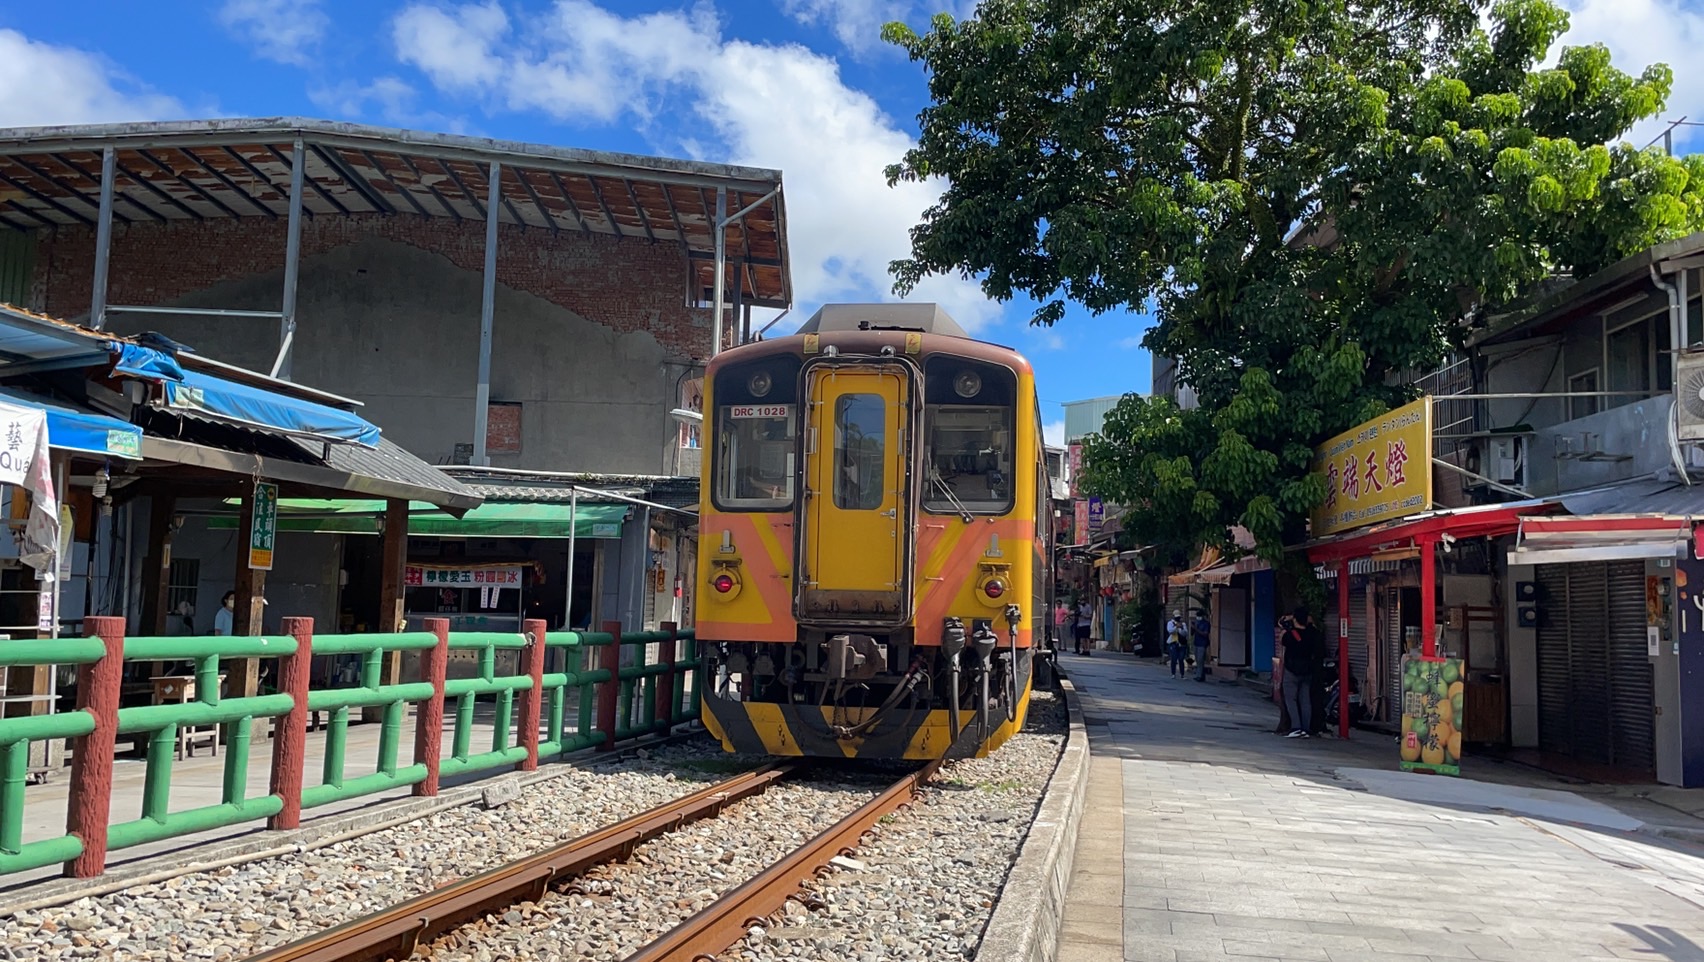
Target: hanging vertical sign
[(1080, 522), (263, 530), (1097, 516)]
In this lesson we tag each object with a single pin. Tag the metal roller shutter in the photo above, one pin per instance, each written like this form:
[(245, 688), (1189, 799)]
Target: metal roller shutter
[(1393, 654), (1631, 694), (1554, 734), (1358, 631), (1588, 661)]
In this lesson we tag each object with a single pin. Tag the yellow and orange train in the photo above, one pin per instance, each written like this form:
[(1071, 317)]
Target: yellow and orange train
[(872, 539)]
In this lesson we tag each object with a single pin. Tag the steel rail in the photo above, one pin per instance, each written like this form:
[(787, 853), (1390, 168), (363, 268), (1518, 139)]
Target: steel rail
[(396, 932), (724, 922)]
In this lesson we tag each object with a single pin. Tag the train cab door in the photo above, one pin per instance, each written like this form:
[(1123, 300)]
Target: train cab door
[(854, 530)]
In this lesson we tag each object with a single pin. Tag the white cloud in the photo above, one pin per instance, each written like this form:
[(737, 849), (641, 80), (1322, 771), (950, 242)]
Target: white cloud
[(857, 24), (1053, 432), (283, 30), (388, 99), (41, 83), (1639, 33), (1131, 343), (763, 105), (1050, 341)]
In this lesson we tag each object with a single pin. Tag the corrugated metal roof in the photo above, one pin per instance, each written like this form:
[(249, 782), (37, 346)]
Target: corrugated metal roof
[(219, 169), (1646, 496)]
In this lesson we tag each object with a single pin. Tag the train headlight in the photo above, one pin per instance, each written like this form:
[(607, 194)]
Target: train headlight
[(994, 589), (968, 384), (760, 384), (724, 583)]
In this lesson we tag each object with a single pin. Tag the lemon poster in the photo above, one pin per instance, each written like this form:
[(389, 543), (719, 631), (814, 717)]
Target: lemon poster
[(1431, 714)]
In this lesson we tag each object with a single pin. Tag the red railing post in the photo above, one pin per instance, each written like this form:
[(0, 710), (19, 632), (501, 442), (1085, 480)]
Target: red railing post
[(532, 700), (290, 730), (429, 718), (98, 688), (668, 694), (610, 660)]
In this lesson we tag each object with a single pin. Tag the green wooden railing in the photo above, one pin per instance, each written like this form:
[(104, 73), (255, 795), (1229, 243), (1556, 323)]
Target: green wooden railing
[(616, 691)]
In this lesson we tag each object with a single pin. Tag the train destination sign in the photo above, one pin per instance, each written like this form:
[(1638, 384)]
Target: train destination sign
[(1377, 471)]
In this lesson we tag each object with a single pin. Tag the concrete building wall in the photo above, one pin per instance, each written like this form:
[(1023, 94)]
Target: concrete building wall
[(590, 333)]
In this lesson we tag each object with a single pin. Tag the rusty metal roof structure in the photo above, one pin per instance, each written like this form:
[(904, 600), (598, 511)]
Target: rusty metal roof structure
[(213, 169)]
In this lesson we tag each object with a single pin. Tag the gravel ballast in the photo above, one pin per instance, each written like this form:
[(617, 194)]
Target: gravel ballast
[(922, 886)]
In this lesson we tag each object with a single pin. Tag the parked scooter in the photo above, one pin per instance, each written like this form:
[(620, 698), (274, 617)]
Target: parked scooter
[(1357, 711)]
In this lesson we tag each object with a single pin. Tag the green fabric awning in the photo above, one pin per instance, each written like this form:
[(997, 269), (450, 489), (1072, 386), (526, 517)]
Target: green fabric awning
[(489, 520)]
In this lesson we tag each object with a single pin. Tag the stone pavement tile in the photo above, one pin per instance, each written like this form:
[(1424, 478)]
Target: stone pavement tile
[(1266, 950), (1142, 948), (1188, 956)]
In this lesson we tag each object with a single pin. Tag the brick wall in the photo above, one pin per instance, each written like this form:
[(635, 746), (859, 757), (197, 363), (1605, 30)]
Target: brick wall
[(626, 284)]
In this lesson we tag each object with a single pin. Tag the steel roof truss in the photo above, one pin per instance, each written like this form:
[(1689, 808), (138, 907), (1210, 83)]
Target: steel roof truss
[(228, 182)]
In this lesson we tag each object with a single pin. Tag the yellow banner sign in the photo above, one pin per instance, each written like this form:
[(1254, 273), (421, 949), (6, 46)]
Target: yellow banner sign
[(1379, 471)]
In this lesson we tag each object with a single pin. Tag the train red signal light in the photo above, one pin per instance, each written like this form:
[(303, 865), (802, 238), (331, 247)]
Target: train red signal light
[(993, 589), (723, 583)]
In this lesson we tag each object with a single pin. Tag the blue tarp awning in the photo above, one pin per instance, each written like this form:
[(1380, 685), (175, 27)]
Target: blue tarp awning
[(202, 395), (71, 429)]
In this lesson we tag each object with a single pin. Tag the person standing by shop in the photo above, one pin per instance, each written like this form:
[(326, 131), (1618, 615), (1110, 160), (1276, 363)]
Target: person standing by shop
[(1061, 623), (1301, 656), (1201, 632), (1177, 641), (225, 617), (1085, 618)]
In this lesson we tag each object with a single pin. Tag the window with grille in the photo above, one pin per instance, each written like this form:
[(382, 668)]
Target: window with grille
[(182, 582)]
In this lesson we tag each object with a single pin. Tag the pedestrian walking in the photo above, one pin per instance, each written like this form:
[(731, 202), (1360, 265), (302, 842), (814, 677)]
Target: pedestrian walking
[(1085, 617), (1302, 643), (1201, 632), (1177, 635)]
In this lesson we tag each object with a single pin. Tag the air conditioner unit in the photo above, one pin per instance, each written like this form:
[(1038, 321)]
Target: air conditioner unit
[(1506, 463), (1689, 395)]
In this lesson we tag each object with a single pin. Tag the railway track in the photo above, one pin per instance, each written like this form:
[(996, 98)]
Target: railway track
[(396, 933)]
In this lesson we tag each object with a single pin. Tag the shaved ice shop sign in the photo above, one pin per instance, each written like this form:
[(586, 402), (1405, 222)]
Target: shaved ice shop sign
[(503, 577), (1380, 470)]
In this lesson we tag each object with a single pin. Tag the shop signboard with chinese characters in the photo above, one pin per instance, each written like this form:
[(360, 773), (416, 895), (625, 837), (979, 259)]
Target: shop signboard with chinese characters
[(263, 529), (1378, 471), (418, 576), (1074, 458), (1097, 516), (1080, 522)]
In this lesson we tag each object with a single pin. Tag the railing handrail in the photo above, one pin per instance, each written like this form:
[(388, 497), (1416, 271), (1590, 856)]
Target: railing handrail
[(616, 702)]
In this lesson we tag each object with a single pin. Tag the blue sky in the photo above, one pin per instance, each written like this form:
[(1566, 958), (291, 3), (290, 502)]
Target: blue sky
[(802, 85)]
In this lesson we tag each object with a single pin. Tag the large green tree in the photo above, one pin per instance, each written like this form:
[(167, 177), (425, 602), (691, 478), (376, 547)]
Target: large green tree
[(1307, 195)]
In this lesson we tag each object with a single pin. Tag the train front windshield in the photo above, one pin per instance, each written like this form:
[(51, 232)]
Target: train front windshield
[(757, 455)]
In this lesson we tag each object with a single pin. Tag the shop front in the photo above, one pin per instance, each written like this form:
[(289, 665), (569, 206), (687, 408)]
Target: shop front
[(1599, 632)]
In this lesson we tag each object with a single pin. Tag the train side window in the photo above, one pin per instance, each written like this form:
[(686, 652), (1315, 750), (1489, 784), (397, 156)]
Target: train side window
[(756, 463), (969, 459), (860, 430)]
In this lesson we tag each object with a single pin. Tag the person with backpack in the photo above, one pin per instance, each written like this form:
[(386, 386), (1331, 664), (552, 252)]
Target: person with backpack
[(1177, 633), (1303, 643)]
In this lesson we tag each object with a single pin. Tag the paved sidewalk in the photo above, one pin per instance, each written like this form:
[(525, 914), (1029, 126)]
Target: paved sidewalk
[(1206, 837)]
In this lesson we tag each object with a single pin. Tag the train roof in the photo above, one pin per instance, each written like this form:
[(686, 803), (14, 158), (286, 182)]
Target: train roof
[(927, 318)]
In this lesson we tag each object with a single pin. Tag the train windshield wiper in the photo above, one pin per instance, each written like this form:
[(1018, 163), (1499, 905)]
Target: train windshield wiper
[(947, 489)]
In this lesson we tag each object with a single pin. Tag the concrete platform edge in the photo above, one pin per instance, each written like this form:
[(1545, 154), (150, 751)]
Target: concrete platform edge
[(1027, 928), (318, 833)]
